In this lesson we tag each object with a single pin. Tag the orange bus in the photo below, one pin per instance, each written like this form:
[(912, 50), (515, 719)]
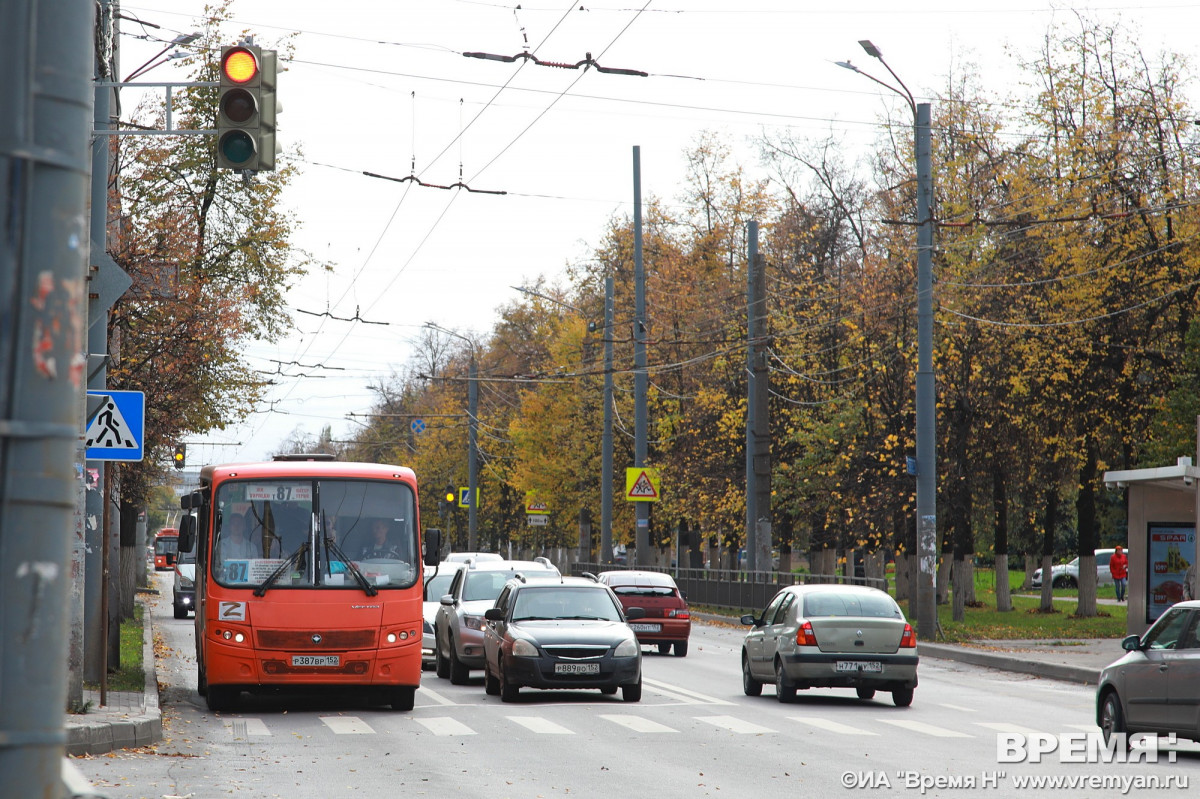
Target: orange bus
[(166, 549), (308, 576)]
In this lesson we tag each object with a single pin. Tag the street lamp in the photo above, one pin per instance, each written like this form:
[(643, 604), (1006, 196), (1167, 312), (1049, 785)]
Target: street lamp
[(178, 41), (472, 438), (925, 601)]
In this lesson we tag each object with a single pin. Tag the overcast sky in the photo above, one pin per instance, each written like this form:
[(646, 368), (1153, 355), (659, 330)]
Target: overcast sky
[(375, 85)]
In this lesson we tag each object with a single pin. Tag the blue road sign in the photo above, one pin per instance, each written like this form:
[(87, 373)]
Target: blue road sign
[(116, 426), (417, 425)]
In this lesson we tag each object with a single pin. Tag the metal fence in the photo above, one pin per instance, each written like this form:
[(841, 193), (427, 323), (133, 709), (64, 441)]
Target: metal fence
[(730, 588)]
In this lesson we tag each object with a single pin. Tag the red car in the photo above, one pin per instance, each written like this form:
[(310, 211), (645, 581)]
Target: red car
[(667, 622)]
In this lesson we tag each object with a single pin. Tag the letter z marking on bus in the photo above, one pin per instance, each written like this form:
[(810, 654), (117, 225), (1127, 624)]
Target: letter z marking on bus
[(232, 611)]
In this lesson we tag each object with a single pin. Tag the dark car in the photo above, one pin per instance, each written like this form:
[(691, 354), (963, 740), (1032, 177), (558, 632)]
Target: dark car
[(1155, 686), (831, 636), (568, 633), (668, 622), (183, 592)]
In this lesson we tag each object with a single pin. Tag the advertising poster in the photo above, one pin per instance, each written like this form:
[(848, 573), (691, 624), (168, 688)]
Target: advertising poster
[(1171, 551)]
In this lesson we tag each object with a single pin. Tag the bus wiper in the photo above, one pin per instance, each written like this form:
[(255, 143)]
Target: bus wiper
[(283, 567), (359, 577)]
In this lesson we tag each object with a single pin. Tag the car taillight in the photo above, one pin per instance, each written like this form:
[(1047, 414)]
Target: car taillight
[(805, 636), (676, 613), (908, 640)]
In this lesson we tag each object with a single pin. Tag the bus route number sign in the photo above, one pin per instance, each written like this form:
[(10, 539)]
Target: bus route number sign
[(280, 492)]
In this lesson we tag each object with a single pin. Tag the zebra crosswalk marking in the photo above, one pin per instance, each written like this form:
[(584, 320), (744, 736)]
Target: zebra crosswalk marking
[(347, 725), (637, 723), (926, 729), (443, 725), (735, 725), (540, 725), (831, 726)]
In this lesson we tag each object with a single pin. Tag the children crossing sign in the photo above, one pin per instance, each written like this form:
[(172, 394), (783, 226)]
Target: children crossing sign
[(116, 422), (642, 484)]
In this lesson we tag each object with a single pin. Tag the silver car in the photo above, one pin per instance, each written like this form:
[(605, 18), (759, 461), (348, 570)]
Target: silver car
[(1155, 686), (831, 636), (437, 583), (458, 624)]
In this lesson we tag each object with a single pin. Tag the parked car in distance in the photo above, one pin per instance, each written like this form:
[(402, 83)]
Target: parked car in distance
[(183, 593), (667, 623), (830, 636), (437, 585), (569, 633), (1066, 575), (458, 623), (1155, 686), (478, 557)]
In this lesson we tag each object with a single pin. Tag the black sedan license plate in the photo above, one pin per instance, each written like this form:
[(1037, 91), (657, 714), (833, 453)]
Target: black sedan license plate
[(316, 660), (859, 665), (576, 668)]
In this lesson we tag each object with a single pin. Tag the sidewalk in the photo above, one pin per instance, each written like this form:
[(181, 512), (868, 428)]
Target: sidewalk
[(1067, 660), (130, 719)]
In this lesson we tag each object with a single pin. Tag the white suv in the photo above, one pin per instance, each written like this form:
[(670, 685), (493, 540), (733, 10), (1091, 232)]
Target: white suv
[(1066, 575), (458, 625)]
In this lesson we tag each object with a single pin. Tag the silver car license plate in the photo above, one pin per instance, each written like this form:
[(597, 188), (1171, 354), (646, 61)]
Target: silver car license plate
[(576, 668), (858, 665), (646, 628), (316, 660)]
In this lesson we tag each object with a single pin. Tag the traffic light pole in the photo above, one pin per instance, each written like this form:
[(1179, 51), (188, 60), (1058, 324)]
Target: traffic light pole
[(640, 376)]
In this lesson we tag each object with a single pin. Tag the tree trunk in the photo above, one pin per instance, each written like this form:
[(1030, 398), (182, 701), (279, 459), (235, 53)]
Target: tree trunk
[(1003, 595), (959, 570), (1000, 535), (1085, 511), (1050, 520)]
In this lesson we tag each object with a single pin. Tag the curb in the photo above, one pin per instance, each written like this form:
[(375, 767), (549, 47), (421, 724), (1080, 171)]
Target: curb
[(106, 730), (1008, 662)]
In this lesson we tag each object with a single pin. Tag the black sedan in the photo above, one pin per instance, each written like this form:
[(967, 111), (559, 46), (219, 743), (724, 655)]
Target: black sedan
[(570, 633)]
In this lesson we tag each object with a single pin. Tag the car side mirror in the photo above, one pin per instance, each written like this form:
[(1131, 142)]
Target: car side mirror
[(750, 618), (1131, 643), (448, 599), (635, 613), (494, 614)]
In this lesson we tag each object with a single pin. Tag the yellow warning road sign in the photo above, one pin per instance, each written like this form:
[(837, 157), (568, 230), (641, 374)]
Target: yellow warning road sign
[(642, 485)]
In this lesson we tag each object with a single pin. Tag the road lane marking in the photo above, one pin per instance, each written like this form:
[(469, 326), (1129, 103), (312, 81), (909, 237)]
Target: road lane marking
[(443, 725), (959, 708), (244, 728), (637, 723), (540, 725), (435, 696), (347, 725), (682, 694), (831, 726), (735, 725), (927, 729)]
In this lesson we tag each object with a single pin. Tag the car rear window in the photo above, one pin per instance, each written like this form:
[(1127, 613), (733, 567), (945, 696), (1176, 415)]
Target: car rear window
[(643, 590), (851, 604)]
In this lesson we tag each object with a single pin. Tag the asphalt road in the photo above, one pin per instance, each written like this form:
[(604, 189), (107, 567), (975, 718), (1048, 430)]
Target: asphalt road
[(693, 734)]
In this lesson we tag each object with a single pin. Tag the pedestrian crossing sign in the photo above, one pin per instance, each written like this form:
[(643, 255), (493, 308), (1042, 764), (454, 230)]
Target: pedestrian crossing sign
[(116, 423), (642, 484)]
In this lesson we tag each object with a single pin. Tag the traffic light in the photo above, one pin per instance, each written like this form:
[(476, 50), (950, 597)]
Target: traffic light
[(180, 455), (246, 109)]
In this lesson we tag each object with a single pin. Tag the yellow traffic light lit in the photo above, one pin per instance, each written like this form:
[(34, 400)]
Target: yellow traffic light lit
[(239, 65), (246, 109), (180, 457)]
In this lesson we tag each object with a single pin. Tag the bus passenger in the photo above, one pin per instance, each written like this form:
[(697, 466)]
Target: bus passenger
[(379, 547)]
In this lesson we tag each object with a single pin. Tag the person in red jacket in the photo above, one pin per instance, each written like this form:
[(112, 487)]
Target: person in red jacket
[(1118, 566)]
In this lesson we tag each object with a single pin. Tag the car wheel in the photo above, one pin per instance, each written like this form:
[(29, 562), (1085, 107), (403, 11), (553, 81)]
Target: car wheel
[(632, 693), (785, 691), (403, 698), (865, 693), (459, 673), (608, 690), (491, 685), (222, 697), (751, 686), (508, 691), (1112, 720), (681, 649), (180, 612), (902, 697), (441, 666), (664, 649), (1063, 582)]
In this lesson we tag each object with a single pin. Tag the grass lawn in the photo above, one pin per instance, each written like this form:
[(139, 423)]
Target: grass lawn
[(131, 676)]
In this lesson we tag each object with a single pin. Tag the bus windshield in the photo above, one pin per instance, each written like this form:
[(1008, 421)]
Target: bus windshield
[(331, 534)]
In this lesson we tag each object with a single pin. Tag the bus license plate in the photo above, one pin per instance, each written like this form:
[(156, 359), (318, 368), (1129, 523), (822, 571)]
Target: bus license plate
[(645, 628), (576, 668), (316, 660), (859, 665)]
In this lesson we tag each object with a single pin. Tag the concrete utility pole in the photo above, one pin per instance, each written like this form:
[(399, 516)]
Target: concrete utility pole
[(640, 376), (758, 419), (472, 454), (45, 58), (606, 442)]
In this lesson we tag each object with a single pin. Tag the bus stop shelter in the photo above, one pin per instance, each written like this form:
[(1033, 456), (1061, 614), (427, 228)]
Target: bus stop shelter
[(1162, 546)]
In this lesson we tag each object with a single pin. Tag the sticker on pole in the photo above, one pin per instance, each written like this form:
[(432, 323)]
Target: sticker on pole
[(642, 485), (116, 422)]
